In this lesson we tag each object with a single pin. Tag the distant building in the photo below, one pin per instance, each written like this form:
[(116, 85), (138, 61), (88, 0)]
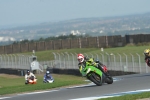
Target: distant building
[(7, 39), (75, 32)]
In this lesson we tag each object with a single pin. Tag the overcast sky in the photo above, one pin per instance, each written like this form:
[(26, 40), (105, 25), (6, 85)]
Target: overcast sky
[(22, 12)]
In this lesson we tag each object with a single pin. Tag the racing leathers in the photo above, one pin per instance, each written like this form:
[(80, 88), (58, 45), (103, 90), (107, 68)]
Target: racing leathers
[(29, 76), (147, 60), (92, 63), (47, 77)]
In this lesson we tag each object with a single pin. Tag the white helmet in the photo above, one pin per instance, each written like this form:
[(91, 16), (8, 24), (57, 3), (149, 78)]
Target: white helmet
[(47, 72), (80, 58)]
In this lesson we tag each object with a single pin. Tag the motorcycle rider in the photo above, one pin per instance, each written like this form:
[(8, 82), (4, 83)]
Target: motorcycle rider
[(147, 56), (47, 76), (29, 75), (83, 61)]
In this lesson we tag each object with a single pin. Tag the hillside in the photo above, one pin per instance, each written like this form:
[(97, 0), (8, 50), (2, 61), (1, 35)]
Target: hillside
[(119, 25)]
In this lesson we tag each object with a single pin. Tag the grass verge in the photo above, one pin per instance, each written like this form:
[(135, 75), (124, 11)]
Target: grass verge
[(11, 84), (16, 85), (139, 96)]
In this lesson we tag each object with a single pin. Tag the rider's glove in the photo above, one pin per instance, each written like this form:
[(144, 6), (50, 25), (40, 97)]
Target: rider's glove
[(96, 64)]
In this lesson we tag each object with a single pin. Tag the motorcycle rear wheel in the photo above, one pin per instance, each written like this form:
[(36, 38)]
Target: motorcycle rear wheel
[(109, 80)]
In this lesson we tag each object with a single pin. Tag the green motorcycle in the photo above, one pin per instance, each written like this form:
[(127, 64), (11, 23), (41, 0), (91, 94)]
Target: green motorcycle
[(95, 75)]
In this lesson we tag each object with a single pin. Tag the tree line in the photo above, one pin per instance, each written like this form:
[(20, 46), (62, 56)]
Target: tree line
[(62, 37)]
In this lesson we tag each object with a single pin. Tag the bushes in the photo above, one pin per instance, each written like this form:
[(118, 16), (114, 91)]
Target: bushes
[(139, 44)]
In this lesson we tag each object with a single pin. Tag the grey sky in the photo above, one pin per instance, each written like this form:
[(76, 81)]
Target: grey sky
[(20, 12)]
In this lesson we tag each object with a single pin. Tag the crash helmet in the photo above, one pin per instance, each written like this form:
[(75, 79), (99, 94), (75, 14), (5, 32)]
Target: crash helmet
[(47, 72), (28, 72), (80, 57), (147, 52), (97, 61)]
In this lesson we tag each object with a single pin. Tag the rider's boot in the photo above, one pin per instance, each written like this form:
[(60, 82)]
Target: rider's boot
[(106, 73), (26, 82)]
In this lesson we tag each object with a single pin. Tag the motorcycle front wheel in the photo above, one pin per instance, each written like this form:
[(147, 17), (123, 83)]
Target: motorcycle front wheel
[(95, 78)]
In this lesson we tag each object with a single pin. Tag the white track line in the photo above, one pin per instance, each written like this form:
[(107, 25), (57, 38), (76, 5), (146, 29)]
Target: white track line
[(113, 95), (56, 89), (4, 97)]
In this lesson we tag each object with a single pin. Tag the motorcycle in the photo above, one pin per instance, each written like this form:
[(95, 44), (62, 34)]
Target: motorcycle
[(48, 80), (102, 67), (95, 75), (32, 80), (148, 62)]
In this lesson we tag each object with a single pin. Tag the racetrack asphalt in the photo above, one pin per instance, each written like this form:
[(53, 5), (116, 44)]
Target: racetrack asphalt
[(122, 85)]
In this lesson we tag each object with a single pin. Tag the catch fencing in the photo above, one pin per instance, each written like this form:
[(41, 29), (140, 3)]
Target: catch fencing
[(114, 61), (14, 61), (21, 62), (117, 62)]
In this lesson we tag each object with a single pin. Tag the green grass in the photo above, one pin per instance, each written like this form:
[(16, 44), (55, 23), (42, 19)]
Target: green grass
[(130, 97), (15, 84), (48, 55)]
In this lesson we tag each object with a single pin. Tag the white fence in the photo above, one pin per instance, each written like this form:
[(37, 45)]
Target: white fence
[(119, 62), (17, 61)]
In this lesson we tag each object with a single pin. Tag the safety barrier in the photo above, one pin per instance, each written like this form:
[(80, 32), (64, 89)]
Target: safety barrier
[(114, 61), (68, 61)]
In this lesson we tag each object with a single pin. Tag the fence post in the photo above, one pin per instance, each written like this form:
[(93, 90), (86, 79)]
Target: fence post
[(73, 61), (68, 60), (132, 61), (139, 61), (12, 63), (21, 60), (64, 60), (120, 61), (126, 61), (114, 60), (54, 55), (86, 55), (8, 60), (96, 56), (108, 59), (4, 62), (102, 57), (91, 55), (59, 61)]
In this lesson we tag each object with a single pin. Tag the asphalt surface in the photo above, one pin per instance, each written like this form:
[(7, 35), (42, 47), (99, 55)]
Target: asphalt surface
[(121, 84)]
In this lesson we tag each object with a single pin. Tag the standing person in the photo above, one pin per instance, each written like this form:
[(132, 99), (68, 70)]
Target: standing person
[(83, 61), (147, 56), (29, 76)]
